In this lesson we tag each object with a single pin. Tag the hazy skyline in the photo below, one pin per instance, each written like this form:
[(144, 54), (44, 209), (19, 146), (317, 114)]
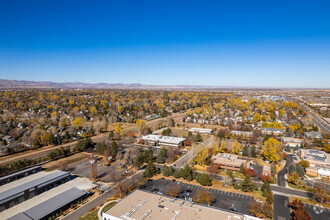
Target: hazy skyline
[(237, 43)]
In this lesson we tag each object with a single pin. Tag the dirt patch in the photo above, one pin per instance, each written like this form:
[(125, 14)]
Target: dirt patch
[(67, 160)]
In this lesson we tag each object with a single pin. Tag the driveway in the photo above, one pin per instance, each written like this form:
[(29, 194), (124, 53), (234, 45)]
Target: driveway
[(280, 176)]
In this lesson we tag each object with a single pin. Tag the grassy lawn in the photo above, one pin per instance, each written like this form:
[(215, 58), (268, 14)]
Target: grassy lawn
[(221, 171), (93, 214), (308, 201), (298, 187)]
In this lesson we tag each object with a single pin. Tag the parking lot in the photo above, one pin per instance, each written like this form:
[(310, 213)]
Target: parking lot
[(104, 173), (318, 212), (224, 200)]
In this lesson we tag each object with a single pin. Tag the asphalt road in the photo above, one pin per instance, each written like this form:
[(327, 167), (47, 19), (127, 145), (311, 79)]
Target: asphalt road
[(280, 176), (281, 209)]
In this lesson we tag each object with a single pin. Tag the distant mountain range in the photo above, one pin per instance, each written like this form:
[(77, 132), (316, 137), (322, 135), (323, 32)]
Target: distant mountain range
[(4, 83)]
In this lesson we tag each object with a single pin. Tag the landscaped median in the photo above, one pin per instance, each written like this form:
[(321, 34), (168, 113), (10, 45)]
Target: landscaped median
[(309, 201), (93, 214), (216, 185)]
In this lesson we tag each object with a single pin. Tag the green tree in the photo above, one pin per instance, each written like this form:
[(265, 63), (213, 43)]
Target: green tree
[(176, 174), (241, 168), (150, 170), (253, 152), (165, 171), (113, 150), (186, 173), (265, 188), (100, 147), (245, 151), (204, 180), (111, 135), (247, 185), (199, 137), (161, 156), (148, 155)]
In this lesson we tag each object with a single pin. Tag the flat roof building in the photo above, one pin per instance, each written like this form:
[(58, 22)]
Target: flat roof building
[(201, 130), (51, 206), (275, 131), (242, 133), (142, 205), (319, 162), (20, 174), (228, 161), (159, 140), (26, 188)]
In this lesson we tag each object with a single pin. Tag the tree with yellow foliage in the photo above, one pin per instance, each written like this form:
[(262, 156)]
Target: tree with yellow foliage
[(93, 110), (78, 122), (257, 117), (237, 148), (120, 109), (119, 130), (272, 149), (141, 125)]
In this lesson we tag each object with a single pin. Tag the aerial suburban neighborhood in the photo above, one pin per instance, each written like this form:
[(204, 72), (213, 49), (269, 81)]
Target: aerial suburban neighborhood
[(223, 153), (164, 110)]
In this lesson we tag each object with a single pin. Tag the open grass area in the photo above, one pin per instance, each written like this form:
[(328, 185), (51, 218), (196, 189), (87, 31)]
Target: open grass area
[(221, 171), (308, 201), (68, 160)]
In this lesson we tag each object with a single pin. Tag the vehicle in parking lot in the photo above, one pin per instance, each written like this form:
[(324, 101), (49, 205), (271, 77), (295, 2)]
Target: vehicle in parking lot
[(155, 190), (233, 209)]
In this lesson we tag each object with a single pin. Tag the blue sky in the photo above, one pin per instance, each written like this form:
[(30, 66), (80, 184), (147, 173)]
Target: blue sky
[(221, 43)]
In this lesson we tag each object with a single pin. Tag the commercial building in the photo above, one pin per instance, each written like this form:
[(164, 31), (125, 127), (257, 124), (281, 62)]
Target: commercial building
[(319, 162), (292, 142), (228, 161), (201, 130), (15, 176), (242, 133), (313, 135), (146, 205), (274, 131), (30, 186), (52, 206), (83, 184), (159, 140)]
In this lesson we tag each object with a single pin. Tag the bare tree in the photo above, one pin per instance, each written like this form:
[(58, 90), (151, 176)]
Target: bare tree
[(93, 171), (173, 190), (63, 166)]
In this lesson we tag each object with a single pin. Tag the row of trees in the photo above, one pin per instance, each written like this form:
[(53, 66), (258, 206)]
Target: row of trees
[(188, 174)]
